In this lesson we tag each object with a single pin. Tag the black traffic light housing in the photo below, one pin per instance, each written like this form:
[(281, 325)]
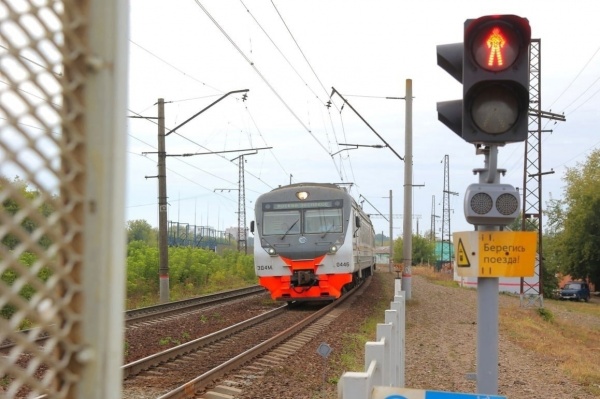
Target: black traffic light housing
[(450, 58), (496, 79), (493, 65)]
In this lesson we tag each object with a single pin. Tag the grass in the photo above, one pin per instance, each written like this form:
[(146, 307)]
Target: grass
[(574, 347), (352, 357)]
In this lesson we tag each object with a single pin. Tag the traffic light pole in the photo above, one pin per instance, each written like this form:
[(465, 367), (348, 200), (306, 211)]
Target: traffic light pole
[(487, 298), (492, 64)]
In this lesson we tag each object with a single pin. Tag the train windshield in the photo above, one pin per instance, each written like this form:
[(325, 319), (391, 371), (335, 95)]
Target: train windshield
[(309, 221), (281, 222), (323, 221)]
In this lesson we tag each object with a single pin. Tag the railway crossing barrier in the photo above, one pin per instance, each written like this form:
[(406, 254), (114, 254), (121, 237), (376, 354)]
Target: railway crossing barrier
[(384, 358)]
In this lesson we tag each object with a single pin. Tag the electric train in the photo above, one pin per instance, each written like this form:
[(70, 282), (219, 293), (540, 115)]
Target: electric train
[(312, 242)]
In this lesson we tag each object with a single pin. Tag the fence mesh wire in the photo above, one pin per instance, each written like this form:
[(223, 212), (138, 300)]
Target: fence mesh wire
[(42, 71)]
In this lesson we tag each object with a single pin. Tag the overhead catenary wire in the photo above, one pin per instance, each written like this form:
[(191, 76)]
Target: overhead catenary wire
[(175, 68), (307, 128), (172, 171), (318, 80), (300, 49), (565, 112), (574, 79), (262, 77), (196, 98), (281, 52), (205, 148)]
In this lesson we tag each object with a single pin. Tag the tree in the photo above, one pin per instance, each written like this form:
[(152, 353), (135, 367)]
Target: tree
[(17, 194), (517, 224), (423, 250), (578, 245), (381, 239), (140, 230)]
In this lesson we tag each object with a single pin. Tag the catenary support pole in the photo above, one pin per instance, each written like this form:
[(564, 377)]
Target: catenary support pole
[(391, 235), (163, 246), (407, 227)]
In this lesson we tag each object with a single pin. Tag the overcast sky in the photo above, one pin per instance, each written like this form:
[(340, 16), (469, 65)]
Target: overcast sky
[(289, 55)]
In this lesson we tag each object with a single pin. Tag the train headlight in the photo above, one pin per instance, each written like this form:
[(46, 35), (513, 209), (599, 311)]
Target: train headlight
[(302, 195), (333, 249), (271, 251)]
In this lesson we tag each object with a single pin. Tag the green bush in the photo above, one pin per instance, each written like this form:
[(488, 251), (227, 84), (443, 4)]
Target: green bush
[(192, 272), (10, 276)]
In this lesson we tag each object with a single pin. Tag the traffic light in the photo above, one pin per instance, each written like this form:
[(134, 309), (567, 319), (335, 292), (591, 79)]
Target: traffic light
[(450, 58), (493, 66), (496, 79), (491, 204)]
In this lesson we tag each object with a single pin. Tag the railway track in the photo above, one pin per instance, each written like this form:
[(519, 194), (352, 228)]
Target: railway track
[(167, 313), (243, 351), (154, 313), (143, 315)]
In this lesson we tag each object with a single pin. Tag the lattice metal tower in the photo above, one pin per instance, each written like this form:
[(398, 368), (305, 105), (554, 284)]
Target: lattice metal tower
[(445, 254), (433, 216), (242, 209), (532, 176), (532, 182)]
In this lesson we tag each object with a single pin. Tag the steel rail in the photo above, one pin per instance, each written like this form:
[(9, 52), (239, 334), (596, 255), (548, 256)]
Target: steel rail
[(201, 382)]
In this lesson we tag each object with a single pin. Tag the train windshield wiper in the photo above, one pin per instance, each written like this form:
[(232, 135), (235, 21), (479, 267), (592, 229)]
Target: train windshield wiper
[(289, 229), (327, 231)]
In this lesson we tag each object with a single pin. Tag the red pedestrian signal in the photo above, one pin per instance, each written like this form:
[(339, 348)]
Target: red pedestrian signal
[(495, 47), (495, 79)]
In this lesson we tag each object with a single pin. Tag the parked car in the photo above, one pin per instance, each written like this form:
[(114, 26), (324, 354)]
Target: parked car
[(576, 290)]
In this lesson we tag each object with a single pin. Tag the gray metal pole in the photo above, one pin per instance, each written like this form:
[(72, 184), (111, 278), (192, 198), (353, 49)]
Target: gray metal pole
[(97, 262), (407, 233), (163, 246), (487, 302), (391, 235)]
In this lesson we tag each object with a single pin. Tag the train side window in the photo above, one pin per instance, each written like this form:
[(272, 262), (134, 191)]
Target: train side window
[(281, 222)]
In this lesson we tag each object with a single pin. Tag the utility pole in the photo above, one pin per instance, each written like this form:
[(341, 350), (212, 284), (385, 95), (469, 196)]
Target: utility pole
[(391, 234), (408, 84), (163, 246), (408, 160), (432, 236), (242, 209), (242, 243)]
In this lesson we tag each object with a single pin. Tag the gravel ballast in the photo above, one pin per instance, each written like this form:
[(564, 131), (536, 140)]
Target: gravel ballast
[(441, 350)]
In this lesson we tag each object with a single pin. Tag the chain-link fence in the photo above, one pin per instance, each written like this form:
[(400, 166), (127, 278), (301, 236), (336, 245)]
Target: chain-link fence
[(45, 68)]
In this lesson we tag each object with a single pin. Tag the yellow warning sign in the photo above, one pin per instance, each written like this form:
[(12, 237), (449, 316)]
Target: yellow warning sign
[(507, 253), (462, 259), (495, 253)]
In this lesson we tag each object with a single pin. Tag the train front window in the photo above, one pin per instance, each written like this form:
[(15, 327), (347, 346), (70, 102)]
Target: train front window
[(281, 222), (323, 221)]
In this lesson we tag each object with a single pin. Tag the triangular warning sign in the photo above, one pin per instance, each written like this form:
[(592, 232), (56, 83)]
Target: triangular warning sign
[(462, 260)]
